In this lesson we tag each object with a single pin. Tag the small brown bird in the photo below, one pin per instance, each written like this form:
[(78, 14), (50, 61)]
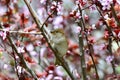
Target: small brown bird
[(58, 41)]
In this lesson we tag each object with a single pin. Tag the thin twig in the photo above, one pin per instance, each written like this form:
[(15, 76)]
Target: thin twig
[(82, 59), (21, 32), (86, 7), (111, 54), (81, 45), (92, 51), (15, 62)]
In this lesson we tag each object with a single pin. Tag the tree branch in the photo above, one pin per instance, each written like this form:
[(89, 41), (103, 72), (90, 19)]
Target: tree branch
[(81, 45), (21, 32)]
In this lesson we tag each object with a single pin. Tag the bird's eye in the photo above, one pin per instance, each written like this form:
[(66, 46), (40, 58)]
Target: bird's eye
[(51, 32), (57, 31)]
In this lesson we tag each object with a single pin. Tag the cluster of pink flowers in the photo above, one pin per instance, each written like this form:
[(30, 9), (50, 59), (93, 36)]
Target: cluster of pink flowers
[(106, 4)]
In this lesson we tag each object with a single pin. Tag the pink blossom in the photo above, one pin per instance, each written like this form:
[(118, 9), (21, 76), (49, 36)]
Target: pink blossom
[(19, 68), (2, 10), (118, 1), (29, 47), (91, 39), (49, 77), (42, 1), (20, 49), (77, 2), (78, 15), (106, 17), (58, 78), (106, 34), (92, 8), (86, 17), (106, 4), (93, 26), (109, 59), (5, 66), (78, 29), (57, 22), (3, 34), (59, 9)]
